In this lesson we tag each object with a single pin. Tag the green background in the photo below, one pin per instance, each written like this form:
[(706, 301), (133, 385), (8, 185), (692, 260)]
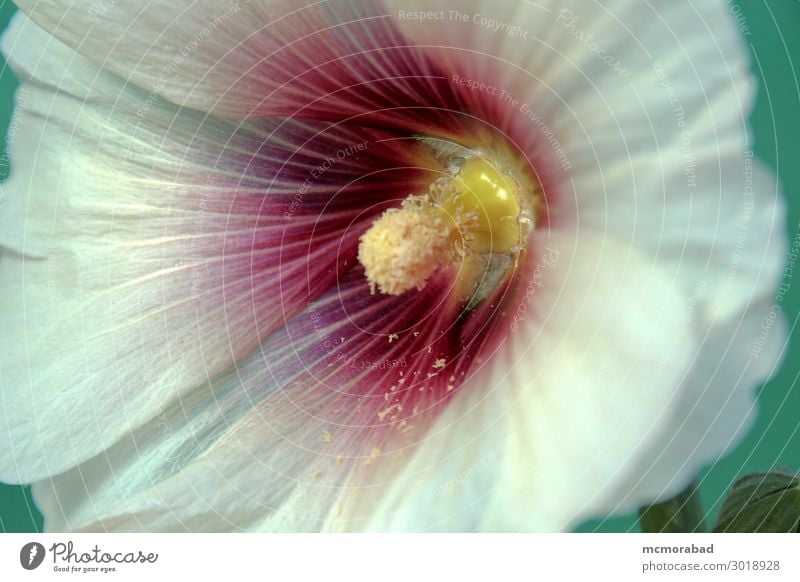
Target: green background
[(775, 441)]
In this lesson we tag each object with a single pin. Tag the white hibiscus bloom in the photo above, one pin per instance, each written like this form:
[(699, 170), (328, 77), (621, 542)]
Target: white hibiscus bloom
[(568, 297)]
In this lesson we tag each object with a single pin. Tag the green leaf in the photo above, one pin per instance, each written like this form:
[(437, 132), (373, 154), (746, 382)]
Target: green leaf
[(681, 514), (762, 502)]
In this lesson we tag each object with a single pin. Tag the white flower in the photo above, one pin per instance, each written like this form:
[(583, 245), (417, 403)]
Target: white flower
[(190, 342)]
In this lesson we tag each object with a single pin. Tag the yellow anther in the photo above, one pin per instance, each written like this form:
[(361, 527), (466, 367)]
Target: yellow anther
[(494, 198), (476, 211)]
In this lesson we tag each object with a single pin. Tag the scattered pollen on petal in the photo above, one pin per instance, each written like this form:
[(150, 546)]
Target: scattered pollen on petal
[(373, 455), (397, 407)]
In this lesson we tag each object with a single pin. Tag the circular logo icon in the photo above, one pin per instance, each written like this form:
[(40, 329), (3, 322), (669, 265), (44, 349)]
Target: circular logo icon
[(31, 555)]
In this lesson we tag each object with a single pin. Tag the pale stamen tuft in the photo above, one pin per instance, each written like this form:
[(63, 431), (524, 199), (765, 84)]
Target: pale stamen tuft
[(405, 246)]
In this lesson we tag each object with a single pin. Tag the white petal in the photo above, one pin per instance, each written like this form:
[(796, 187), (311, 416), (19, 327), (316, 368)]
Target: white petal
[(716, 408), (213, 462), (249, 59), (656, 153), (736, 354), (170, 48), (580, 387), (147, 249), (302, 435)]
